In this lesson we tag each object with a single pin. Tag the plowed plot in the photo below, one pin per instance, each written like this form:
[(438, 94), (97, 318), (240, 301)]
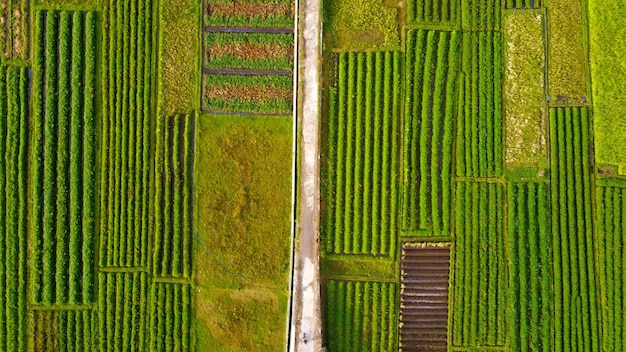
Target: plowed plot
[(424, 307)]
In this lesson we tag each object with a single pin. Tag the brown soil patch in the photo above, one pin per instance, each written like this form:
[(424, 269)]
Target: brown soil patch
[(247, 9), (254, 93), (250, 51)]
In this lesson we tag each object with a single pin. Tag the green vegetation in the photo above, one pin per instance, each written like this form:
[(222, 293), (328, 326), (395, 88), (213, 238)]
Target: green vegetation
[(611, 207), (361, 316), (438, 12), (63, 331), (606, 23), (526, 4), (179, 56), (529, 249), (66, 239), (432, 68), (122, 304), (170, 317), (575, 300), (252, 94), (524, 88), (241, 250), (481, 15), (478, 318), (361, 24), (261, 51), (567, 55), (15, 29), (479, 125), (125, 164), (13, 202), (171, 245), (363, 152)]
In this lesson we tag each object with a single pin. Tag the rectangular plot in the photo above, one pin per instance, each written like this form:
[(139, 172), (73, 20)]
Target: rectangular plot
[(125, 134), (529, 247), (429, 111), (481, 15), (432, 12), (361, 179), (122, 311), (174, 198), (14, 129), (360, 316), (575, 303), (261, 51), (524, 89), (424, 296), (63, 330), (479, 138), (567, 56), (524, 4), (170, 317), (14, 29), (63, 187), (478, 318)]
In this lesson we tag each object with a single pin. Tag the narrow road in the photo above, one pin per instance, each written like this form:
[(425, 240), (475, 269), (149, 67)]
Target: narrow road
[(306, 327)]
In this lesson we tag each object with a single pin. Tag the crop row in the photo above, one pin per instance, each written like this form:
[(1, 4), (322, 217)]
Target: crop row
[(479, 126), (432, 11), (173, 225), (170, 317), (122, 311), (431, 73), (524, 4), (63, 331), (13, 206), (575, 300), (611, 210), (14, 29), (481, 15), (125, 162), (479, 274), (363, 152), (360, 316), (258, 14), (63, 194), (528, 249), (239, 93), (260, 51)]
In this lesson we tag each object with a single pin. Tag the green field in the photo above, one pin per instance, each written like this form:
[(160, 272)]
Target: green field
[(505, 154)]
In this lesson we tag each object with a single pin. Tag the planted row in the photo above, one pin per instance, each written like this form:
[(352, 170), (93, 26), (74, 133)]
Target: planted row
[(360, 316), (174, 201), (260, 51), (479, 127), (122, 311), (529, 251), (479, 266), (361, 192), (14, 31), (481, 15), (170, 317), (524, 4), (575, 300), (13, 207), (429, 112), (125, 165), (611, 210), (63, 330), (432, 11), (63, 183)]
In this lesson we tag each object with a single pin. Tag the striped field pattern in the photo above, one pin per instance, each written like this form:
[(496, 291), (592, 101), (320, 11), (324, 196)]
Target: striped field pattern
[(170, 317), (361, 316), (439, 12), (63, 330), (575, 301), (480, 267), (429, 111), (362, 176)]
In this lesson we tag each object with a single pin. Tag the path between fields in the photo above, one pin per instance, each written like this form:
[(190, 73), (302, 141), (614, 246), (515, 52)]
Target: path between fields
[(306, 326)]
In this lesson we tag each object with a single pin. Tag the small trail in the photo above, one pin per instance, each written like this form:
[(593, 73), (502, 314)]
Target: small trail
[(246, 72), (209, 29)]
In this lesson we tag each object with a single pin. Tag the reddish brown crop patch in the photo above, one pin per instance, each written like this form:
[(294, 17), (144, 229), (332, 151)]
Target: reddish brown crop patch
[(253, 93), (247, 9)]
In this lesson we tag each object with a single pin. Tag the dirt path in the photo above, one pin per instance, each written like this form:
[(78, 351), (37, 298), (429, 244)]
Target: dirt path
[(306, 332)]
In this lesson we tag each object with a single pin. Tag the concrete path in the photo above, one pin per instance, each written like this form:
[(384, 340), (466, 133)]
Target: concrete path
[(306, 325)]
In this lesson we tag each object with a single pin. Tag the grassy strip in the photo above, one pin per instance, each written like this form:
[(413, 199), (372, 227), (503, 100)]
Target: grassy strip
[(341, 139), (4, 202), (133, 141), (231, 61), (248, 38), (348, 217), (147, 112), (359, 193), (178, 171), (276, 21), (377, 164), (124, 130)]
